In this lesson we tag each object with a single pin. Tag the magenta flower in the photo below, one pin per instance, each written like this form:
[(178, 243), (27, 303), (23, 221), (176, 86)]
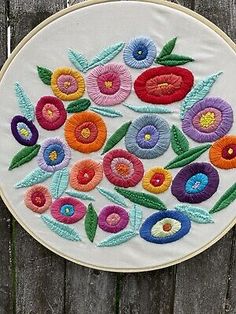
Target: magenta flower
[(113, 218)]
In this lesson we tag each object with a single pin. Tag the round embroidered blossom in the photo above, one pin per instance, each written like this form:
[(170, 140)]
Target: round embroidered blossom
[(208, 120), (38, 199), (223, 152), (24, 131), (113, 218), (163, 85), (195, 183), (122, 168), (85, 175), (109, 84), (68, 210), (53, 155), (157, 180), (148, 137), (67, 83), (140, 53), (50, 113), (165, 227), (85, 132)]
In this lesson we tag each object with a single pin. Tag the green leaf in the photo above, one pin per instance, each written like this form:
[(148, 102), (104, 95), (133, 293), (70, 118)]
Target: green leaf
[(91, 221), (60, 229), (45, 75), (149, 109), (81, 195), (25, 155), (187, 157), (106, 55), (116, 137), (136, 216), (78, 60), (179, 142), (78, 105), (118, 238), (194, 213), (59, 182), (112, 196), (168, 48), (173, 59), (144, 199), (25, 104), (226, 199), (106, 112), (38, 175)]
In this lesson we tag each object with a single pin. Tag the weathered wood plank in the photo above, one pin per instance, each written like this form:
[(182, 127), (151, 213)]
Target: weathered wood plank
[(39, 274)]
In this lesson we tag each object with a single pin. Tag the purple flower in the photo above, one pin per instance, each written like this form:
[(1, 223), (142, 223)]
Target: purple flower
[(113, 218), (24, 131)]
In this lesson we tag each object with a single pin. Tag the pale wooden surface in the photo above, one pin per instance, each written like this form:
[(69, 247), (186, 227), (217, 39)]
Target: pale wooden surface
[(35, 281)]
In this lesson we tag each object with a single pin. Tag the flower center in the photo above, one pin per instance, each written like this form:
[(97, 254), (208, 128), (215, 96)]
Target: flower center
[(50, 113), (85, 132), (157, 179), (147, 137), (108, 84), (122, 169), (229, 151), (140, 52), (113, 219), (196, 184), (67, 210), (85, 176), (24, 132), (38, 199), (162, 85), (207, 119), (67, 84), (53, 155), (167, 227)]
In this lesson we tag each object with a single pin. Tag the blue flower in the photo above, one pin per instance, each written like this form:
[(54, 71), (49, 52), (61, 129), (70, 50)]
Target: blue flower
[(140, 53)]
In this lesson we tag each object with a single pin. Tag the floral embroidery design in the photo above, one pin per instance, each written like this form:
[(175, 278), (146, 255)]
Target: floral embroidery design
[(157, 180), (113, 218), (38, 199), (24, 131)]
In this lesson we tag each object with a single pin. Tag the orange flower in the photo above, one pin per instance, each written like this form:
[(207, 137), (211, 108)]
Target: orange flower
[(85, 175), (157, 180), (85, 132), (223, 152)]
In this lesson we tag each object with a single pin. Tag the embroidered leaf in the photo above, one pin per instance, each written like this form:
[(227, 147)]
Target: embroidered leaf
[(173, 59), (144, 199), (194, 213), (25, 104), (106, 55), (226, 199), (59, 182), (78, 105), (61, 229), (106, 112), (36, 176), (168, 48), (80, 195), (118, 238), (116, 137), (187, 157), (45, 75), (136, 216), (91, 221), (112, 196), (78, 60), (179, 142), (25, 155), (149, 109), (200, 90)]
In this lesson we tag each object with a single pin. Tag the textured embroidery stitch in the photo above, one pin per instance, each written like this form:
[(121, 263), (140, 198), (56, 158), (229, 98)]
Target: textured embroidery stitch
[(78, 105), (25, 104), (226, 199), (45, 75), (106, 112), (24, 131), (91, 221), (59, 182), (80, 195), (78, 60), (25, 155), (112, 196), (38, 199), (194, 213), (179, 142), (36, 176), (149, 109)]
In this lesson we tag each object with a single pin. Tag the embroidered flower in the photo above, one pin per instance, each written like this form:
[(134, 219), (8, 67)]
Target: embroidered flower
[(68, 210), (67, 83), (148, 137), (208, 120), (165, 227), (122, 168), (85, 132), (157, 180), (163, 85), (109, 84), (85, 175), (53, 155), (113, 218), (50, 113), (140, 53), (223, 152), (195, 183), (38, 198), (24, 131)]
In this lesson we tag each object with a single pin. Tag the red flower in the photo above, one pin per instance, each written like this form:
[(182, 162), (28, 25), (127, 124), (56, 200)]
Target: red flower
[(163, 85)]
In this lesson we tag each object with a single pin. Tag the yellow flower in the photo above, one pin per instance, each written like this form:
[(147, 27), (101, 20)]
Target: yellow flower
[(157, 180)]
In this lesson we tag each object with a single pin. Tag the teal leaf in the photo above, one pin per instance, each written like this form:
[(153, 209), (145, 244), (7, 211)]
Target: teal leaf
[(25, 104), (59, 182), (173, 60), (81, 195), (195, 213), (106, 55), (118, 238), (198, 92), (106, 112), (136, 216), (167, 48), (78, 105), (179, 142), (61, 229), (25, 155), (225, 200), (78, 60), (112, 196), (149, 109), (36, 176)]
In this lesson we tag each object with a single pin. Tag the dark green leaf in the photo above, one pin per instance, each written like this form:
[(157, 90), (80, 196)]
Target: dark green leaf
[(226, 199), (179, 142), (25, 155), (45, 75), (173, 59), (78, 105), (91, 221), (168, 48)]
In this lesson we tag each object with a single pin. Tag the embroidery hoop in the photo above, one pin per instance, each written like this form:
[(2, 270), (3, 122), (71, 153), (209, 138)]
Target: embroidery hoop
[(14, 54)]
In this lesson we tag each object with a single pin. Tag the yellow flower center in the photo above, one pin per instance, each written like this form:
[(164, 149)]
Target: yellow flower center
[(24, 132), (207, 119), (85, 132), (108, 84), (230, 151), (53, 155), (147, 137), (67, 84), (163, 85)]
